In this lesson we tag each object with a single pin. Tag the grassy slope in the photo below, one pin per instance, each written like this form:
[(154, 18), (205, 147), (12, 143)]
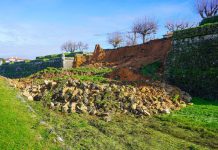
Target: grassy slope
[(197, 123), (194, 127), (83, 73), (17, 123)]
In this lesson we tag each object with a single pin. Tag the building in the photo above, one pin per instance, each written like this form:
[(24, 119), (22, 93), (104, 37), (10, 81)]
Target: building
[(14, 59)]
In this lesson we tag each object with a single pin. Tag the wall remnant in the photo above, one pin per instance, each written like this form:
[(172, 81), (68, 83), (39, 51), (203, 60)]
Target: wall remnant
[(26, 68), (192, 63), (23, 69), (67, 62)]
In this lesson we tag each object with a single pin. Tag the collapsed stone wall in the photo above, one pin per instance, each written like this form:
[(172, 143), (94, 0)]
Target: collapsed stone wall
[(192, 63), (133, 56), (104, 100)]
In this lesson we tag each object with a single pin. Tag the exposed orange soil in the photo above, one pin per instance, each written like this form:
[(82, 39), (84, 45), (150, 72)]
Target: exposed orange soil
[(132, 56), (125, 74)]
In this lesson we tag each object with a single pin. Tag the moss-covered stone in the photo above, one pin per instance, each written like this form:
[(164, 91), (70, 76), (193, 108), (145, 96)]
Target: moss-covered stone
[(192, 64)]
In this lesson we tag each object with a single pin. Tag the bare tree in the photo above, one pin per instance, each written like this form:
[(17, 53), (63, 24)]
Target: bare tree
[(134, 37), (175, 26), (207, 8), (82, 46), (115, 39), (74, 46), (131, 38), (145, 27), (69, 46)]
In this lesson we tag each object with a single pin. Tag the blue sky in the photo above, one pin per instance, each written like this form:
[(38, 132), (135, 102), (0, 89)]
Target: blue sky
[(30, 28)]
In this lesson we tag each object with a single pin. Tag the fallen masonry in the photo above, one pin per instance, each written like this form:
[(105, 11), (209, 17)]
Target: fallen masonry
[(103, 100)]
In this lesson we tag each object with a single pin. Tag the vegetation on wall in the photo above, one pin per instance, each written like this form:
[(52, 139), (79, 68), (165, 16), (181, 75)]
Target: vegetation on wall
[(58, 55), (26, 68), (192, 64), (213, 19), (23, 69), (198, 31)]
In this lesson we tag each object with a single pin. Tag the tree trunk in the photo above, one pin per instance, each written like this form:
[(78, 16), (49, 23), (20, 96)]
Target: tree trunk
[(143, 38), (134, 40)]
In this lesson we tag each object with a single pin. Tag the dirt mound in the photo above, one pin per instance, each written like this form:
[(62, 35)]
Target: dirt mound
[(125, 74)]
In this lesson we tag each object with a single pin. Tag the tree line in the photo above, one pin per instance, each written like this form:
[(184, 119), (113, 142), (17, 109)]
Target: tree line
[(147, 27)]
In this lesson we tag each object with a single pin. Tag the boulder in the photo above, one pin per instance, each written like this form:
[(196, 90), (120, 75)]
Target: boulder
[(133, 106), (166, 111), (73, 107), (28, 95), (82, 108)]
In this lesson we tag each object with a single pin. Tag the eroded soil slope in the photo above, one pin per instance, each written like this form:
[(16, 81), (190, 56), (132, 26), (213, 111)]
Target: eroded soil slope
[(132, 56)]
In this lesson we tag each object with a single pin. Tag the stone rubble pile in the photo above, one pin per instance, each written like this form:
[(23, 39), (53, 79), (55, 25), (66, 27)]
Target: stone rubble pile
[(102, 100)]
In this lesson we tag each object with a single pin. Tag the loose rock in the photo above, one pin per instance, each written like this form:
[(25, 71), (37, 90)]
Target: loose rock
[(99, 99)]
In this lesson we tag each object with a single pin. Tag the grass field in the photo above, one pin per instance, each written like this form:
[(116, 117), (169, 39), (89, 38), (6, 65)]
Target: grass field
[(194, 127), (17, 123), (95, 75)]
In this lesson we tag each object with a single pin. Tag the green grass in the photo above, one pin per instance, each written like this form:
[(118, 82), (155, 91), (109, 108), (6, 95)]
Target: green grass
[(92, 70), (95, 79), (17, 124), (192, 128), (97, 71), (203, 115), (197, 123), (185, 129), (95, 75)]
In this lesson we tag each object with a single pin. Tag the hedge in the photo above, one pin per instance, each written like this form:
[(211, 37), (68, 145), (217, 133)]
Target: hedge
[(213, 19), (58, 55), (197, 31)]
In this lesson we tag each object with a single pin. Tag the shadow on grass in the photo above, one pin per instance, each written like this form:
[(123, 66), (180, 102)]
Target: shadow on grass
[(199, 101)]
